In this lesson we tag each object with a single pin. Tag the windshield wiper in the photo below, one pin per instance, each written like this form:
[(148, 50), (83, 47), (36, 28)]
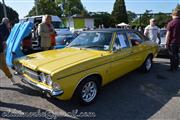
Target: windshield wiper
[(94, 46), (76, 45)]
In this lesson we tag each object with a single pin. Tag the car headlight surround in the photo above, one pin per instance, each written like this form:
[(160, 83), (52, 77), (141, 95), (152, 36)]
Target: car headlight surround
[(48, 80), (43, 77)]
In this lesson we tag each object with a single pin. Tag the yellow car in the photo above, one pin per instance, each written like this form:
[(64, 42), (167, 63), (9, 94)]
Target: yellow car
[(90, 61)]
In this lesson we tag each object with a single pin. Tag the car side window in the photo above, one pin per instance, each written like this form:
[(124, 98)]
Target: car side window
[(120, 42), (134, 38)]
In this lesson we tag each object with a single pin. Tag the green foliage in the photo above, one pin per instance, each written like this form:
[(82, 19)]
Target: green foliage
[(178, 7), (119, 13), (162, 19), (45, 7), (131, 16), (146, 17), (11, 14), (72, 7), (101, 18)]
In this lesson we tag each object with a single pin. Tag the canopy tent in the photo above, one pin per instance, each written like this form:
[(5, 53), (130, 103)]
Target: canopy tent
[(123, 25)]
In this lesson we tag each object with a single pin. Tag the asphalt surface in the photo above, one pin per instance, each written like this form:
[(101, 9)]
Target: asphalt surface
[(136, 96)]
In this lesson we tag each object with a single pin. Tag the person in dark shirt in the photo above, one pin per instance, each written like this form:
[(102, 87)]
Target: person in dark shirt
[(4, 33), (173, 40)]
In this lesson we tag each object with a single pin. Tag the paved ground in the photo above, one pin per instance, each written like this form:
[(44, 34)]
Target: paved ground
[(136, 96)]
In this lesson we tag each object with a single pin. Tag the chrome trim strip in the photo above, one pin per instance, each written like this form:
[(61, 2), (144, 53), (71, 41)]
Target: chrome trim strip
[(52, 92)]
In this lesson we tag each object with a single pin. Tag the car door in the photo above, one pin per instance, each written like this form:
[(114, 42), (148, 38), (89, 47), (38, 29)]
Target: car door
[(121, 56), (138, 51)]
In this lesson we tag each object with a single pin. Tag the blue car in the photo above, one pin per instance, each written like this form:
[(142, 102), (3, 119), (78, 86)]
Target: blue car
[(63, 40)]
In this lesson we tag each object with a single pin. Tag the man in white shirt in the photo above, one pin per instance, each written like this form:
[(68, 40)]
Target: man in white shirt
[(153, 32)]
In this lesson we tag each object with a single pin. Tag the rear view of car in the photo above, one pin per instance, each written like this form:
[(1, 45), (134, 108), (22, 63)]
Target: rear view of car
[(162, 47)]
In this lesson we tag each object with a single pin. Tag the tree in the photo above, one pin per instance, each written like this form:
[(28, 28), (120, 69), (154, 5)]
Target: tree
[(46, 7), (162, 19), (178, 6), (131, 16), (101, 18), (11, 14), (119, 13), (72, 7)]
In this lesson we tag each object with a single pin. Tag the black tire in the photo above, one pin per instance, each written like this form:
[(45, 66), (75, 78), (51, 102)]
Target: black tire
[(147, 65), (78, 95)]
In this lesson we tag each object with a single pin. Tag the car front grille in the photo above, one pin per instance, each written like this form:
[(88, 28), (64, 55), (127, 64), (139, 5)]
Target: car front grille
[(32, 74)]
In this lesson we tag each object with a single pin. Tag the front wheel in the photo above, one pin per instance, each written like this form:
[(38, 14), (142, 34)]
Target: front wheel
[(87, 91), (147, 64)]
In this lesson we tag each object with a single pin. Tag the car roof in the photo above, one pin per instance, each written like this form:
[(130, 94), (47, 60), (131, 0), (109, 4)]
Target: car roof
[(111, 30)]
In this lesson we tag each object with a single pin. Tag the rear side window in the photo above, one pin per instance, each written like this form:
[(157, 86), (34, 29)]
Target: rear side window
[(134, 38)]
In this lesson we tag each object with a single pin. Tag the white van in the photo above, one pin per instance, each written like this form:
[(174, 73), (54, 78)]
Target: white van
[(59, 26)]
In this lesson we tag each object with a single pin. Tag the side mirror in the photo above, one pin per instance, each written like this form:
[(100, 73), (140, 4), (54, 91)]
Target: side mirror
[(115, 50)]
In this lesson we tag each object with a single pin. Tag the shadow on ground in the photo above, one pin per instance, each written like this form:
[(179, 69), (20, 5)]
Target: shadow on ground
[(135, 96)]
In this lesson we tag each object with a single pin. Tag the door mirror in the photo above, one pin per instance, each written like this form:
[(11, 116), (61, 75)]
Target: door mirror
[(115, 49)]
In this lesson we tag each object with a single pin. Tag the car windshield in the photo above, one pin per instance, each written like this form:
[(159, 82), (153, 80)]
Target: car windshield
[(59, 25), (92, 40)]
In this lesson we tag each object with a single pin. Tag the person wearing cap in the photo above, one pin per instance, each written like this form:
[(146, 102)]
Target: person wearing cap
[(4, 33), (173, 40), (152, 31)]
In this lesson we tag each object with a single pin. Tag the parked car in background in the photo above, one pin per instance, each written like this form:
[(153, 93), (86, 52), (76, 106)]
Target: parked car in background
[(90, 61), (58, 24), (162, 47), (63, 40)]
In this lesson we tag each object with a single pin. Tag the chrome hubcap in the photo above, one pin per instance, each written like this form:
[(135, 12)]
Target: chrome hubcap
[(148, 64), (89, 91)]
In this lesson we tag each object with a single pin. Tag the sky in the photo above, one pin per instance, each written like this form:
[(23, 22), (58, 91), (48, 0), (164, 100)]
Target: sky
[(137, 6)]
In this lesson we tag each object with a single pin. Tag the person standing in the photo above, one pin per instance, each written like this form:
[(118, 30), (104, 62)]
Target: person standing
[(46, 32), (4, 33), (173, 40), (152, 31)]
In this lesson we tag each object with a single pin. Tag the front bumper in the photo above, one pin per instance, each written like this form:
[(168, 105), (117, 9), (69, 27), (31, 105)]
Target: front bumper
[(39, 87)]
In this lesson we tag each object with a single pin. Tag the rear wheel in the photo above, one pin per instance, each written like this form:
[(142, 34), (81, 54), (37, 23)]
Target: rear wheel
[(87, 91)]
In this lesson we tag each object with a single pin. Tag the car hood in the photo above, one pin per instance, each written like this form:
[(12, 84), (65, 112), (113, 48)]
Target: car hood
[(50, 61), (18, 33)]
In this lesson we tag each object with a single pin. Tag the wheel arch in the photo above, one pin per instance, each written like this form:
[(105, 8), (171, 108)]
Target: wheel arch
[(87, 76), (150, 55)]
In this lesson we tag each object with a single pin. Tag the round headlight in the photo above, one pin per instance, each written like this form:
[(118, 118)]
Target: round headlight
[(55, 85), (48, 80), (43, 77)]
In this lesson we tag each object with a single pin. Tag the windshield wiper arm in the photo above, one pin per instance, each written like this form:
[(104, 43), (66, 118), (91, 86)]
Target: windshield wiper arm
[(92, 46), (76, 45)]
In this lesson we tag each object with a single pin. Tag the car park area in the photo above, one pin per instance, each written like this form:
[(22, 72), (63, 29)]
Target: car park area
[(137, 96)]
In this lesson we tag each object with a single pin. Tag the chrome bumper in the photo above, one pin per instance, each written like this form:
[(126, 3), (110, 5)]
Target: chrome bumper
[(51, 92)]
